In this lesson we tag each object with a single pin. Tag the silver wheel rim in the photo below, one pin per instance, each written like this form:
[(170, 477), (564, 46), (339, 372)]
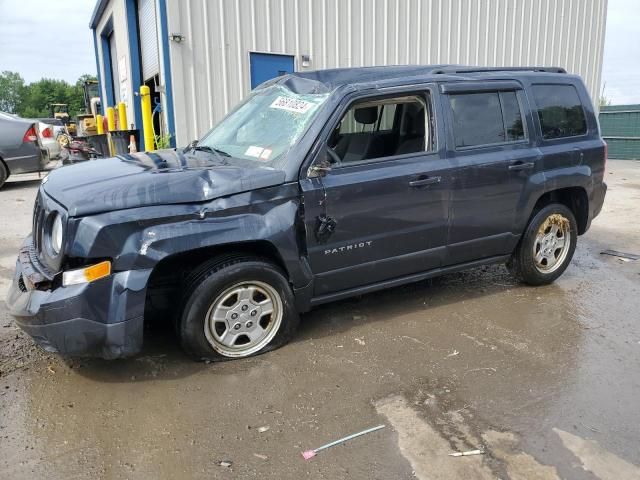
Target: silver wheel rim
[(552, 242), (243, 319)]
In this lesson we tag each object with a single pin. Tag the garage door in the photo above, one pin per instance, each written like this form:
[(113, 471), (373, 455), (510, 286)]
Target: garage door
[(148, 38)]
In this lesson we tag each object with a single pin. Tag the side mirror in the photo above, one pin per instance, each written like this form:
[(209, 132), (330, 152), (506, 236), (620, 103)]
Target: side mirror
[(322, 164), (319, 170)]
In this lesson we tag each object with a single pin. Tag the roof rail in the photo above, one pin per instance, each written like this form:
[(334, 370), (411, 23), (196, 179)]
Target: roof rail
[(462, 69)]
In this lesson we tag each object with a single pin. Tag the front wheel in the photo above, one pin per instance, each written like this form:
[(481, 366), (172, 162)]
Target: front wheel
[(236, 307), (547, 246)]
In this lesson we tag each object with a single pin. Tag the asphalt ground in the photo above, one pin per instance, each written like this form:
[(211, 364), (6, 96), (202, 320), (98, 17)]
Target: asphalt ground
[(545, 381)]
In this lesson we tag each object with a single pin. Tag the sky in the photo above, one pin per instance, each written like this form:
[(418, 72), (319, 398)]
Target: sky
[(51, 38), (621, 64), (47, 38)]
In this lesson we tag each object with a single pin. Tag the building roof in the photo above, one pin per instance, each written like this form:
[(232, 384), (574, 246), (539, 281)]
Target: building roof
[(98, 10), (337, 77)]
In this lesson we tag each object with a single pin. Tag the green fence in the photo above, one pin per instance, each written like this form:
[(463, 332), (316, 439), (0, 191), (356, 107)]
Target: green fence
[(620, 126)]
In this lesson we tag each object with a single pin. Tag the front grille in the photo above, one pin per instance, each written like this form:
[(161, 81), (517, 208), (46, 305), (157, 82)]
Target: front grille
[(38, 222), (21, 285), (43, 209)]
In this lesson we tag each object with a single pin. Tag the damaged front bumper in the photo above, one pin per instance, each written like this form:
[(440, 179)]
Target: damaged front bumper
[(99, 319)]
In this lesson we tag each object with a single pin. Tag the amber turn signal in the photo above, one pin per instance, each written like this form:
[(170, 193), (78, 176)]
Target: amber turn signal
[(87, 274)]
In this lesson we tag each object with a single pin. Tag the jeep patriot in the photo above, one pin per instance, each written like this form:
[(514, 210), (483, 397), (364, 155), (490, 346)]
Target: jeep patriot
[(318, 186)]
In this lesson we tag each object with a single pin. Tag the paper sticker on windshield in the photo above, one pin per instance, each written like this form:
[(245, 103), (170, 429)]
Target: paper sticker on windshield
[(291, 104), (266, 153), (254, 151)]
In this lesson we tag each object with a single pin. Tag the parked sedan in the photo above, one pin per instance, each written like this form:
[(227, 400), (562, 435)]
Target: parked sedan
[(50, 128), (20, 147)]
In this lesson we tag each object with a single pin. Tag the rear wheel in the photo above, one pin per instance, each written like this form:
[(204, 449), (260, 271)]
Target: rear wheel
[(547, 246), (4, 173), (236, 307)]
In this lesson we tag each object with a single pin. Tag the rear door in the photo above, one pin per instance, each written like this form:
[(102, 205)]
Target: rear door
[(377, 215), (493, 157)]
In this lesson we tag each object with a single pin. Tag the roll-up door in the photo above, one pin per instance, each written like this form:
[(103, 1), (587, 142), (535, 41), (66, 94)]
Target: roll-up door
[(148, 38)]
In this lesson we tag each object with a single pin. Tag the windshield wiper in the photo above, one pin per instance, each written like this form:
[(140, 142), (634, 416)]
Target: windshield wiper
[(206, 148), (217, 152)]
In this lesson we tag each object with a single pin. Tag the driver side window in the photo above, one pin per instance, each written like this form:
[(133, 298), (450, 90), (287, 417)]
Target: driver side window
[(385, 127)]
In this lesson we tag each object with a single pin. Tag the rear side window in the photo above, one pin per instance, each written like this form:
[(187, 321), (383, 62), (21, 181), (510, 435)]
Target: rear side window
[(560, 111), (486, 118)]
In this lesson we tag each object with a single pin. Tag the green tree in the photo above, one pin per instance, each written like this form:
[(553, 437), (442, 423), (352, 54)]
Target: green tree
[(85, 78), (41, 94), (11, 91), (36, 98), (604, 101)]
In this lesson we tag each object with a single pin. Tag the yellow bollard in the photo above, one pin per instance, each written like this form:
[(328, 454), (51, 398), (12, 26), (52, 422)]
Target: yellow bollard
[(122, 116), (99, 124), (111, 119), (147, 126)]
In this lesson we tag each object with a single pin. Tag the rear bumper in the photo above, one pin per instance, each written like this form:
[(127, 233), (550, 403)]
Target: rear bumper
[(595, 202), (598, 200), (99, 319), (31, 160)]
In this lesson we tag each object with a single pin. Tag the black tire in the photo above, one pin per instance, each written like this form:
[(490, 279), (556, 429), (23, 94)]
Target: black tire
[(4, 173), (523, 264), (209, 281)]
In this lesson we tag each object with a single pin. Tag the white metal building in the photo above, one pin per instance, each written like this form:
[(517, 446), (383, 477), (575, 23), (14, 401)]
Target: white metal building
[(202, 56)]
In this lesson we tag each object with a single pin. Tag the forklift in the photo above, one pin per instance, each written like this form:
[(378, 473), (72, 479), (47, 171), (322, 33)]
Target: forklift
[(84, 143), (61, 112), (87, 120)]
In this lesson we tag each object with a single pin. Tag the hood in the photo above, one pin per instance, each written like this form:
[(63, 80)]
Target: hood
[(153, 178)]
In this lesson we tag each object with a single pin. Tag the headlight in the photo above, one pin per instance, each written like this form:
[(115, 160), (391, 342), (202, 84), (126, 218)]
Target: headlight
[(56, 234)]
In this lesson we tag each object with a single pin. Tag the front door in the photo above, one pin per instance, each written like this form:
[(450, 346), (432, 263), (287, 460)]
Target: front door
[(493, 159), (380, 212)]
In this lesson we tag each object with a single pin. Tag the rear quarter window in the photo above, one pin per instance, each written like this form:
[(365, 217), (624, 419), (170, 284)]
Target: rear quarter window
[(560, 111)]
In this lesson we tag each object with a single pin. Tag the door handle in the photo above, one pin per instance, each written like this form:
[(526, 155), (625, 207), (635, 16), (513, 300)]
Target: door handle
[(521, 166), (420, 182)]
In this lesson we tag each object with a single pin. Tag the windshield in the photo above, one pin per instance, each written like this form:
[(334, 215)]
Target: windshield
[(265, 126)]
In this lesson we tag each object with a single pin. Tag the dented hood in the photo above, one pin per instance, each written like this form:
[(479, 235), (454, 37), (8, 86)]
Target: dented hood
[(153, 178)]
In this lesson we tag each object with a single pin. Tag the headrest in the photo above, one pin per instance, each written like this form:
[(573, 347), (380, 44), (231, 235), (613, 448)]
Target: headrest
[(366, 115), (414, 120)]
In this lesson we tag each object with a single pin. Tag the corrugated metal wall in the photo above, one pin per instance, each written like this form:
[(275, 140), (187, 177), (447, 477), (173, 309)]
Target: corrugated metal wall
[(620, 127), (210, 68)]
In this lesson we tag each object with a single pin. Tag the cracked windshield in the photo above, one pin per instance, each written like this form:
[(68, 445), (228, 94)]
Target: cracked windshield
[(265, 126)]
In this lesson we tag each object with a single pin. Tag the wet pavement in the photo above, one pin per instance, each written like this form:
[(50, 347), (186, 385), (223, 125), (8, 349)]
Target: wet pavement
[(545, 381)]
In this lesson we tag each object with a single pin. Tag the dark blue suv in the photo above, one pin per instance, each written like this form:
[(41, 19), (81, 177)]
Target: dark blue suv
[(319, 186)]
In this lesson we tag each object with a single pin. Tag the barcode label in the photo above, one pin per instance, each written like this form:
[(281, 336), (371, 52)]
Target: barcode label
[(291, 104)]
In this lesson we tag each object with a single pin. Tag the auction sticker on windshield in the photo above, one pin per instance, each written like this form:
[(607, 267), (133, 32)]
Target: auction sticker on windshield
[(254, 151), (291, 104)]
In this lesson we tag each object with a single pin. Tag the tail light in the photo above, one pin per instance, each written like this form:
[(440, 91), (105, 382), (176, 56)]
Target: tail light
[(47, 133), (30, 135)]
